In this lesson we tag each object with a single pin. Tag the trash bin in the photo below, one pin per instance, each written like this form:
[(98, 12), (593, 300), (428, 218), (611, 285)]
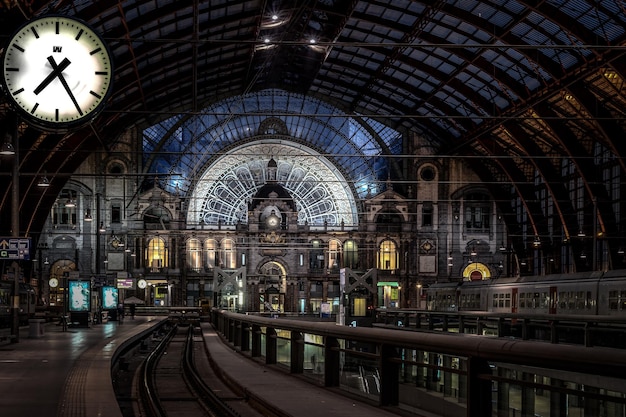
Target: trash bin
[(35, 328)]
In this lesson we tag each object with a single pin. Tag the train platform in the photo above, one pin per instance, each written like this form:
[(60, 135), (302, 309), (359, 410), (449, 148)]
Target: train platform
[(57, 373), (291, 395)]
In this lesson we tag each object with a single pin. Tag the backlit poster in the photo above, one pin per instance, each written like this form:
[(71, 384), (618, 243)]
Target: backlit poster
[(80, 295), (109, 298)]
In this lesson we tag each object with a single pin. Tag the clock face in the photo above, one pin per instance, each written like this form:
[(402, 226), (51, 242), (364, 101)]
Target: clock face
[(57, 71), (142, 283), (53, 282), (272, 221)]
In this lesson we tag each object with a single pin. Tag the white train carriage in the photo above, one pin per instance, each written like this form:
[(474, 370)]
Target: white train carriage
[(588, 293), (612, 294)]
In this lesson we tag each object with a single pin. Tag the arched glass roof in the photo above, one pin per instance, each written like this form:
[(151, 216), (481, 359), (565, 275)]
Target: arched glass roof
[(320, 192), (516, 88), (178, 149)]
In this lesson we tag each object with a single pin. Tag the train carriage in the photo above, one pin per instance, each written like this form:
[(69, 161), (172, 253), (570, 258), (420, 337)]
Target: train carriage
[(588, 293)]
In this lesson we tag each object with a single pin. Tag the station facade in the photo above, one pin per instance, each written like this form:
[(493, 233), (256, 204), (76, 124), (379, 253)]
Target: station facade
[(271, 213)]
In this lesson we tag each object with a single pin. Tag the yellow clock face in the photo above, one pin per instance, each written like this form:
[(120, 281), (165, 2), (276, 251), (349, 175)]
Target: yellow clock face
[(57, 71)]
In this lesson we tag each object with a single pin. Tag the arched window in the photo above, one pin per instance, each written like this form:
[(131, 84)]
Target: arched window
[(334, 254), (156, 255), (229, 254), (387, 255), (194, 255), (210, 255), (350, 254)]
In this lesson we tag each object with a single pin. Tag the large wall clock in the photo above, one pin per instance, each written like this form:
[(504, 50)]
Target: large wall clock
[(57, 71)]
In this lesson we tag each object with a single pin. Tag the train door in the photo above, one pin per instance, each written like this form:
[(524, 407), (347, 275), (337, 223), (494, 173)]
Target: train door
[(514, 300), (552, 301)]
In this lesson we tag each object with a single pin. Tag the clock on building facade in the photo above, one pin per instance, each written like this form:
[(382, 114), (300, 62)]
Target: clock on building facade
[(57, 72)]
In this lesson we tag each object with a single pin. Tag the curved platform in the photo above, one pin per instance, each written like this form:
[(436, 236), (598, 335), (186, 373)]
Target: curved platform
[(64, 373)]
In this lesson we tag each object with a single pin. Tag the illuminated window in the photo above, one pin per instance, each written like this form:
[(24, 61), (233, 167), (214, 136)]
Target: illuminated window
[(387, 255), (229, 254), (210, 248), (350, 254), (334, 253), (194, 255), (156, 254)]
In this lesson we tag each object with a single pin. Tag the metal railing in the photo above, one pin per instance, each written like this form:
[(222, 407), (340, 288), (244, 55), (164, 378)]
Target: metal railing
[(445, 374)]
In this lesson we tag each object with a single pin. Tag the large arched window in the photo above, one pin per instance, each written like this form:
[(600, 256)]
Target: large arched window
[(156, 255), (350, 254), (194, 255), (387, 255), (334, 254), (229, 254), (210, 253)]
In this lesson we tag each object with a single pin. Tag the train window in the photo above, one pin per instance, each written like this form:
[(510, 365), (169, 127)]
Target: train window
[(4, 297), (495, 300), (522, 300), (613, 300), (623, 300), (589, 304), (580, 300), (562, 300)]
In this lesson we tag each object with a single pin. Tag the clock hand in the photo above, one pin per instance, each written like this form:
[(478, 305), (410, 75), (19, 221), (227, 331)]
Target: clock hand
[(62, 79), (56, 71)]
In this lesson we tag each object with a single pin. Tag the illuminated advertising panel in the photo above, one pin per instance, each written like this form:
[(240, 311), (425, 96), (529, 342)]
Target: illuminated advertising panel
[(126, 283), (80, 295), (109, 298)]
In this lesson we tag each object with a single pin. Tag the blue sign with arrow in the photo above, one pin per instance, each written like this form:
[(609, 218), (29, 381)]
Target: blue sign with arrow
[(15, 248)]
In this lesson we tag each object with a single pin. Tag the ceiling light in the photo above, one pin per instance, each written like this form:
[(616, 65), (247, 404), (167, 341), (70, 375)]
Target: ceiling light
[(43, 182), (7, 146), (70, 203)]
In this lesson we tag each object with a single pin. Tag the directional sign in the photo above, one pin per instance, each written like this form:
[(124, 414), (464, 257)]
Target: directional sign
[(15, 248)]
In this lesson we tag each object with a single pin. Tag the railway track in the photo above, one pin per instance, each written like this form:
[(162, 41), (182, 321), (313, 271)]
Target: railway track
[(176, 379)]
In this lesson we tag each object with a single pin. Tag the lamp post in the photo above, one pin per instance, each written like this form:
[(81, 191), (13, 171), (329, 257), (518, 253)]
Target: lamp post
[(15, 226)]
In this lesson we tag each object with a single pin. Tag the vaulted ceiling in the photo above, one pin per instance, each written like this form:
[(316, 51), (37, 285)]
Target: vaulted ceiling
[(523, 90)]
